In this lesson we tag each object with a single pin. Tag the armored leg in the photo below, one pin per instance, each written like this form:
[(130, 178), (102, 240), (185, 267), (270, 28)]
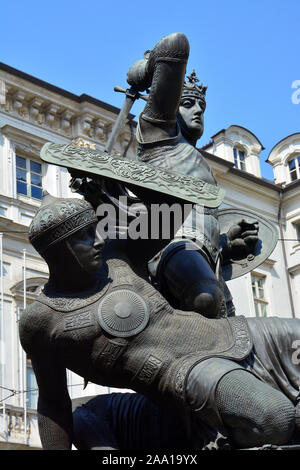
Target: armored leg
[(252, 413), (190, 279)]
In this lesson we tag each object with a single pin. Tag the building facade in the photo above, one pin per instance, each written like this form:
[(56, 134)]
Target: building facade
[(33, 112)]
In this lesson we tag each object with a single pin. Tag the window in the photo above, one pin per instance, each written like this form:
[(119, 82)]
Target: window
[(297, 228), (239, 159), (32, 388), (6, 270), (29, 177), (34, 289), (258, 290), (3, 211), (294, 167)]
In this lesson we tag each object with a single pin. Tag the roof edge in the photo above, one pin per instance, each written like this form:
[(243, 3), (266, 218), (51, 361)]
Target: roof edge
[(284, 138), (241, 127), (60, 91)]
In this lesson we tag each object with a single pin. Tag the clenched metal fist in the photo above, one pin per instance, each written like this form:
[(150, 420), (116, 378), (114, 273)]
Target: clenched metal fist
[(138, 75), (241, 239)]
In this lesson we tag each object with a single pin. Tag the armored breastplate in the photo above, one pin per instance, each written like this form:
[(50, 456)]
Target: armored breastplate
[(175, 154), (136, 340)]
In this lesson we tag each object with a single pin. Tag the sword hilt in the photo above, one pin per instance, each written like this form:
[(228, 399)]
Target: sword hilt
[(131, 92), (131, 96)]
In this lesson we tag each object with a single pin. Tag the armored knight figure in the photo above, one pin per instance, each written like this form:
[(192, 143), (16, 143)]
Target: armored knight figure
[(99, 316), (167, 132)]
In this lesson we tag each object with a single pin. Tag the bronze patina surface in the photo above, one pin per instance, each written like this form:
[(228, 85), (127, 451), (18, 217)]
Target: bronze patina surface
[(238, 266), (100, 317), (143, 175), (229, 381)]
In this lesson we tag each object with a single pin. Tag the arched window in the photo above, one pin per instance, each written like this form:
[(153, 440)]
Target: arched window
[(239, 159), (294, 167)]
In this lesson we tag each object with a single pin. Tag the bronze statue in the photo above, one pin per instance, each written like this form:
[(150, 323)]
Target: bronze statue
[(168, 129), (100, 317), (188, 275), (228, 381)]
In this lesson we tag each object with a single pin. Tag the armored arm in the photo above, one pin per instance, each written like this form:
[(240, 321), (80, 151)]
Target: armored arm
[(165, 71), (54, 404), (166, 65), (240, 240)]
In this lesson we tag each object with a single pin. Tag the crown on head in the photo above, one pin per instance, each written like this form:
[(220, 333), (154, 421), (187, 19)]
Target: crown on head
[(57, 219), (191, 88)]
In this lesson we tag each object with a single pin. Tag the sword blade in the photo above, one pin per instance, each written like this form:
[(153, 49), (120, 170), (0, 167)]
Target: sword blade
[(120, 122)]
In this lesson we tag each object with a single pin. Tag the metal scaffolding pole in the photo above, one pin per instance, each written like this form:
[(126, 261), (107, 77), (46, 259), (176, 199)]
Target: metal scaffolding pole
[(24, 354), (2, 334)]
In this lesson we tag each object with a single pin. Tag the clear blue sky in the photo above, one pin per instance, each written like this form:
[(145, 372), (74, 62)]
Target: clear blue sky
[(246, 51)]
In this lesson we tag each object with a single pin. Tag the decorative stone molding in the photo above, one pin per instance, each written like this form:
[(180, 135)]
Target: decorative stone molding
[(26, 147), (270, 262), (293, 153), (221, 139), (67, 117), (29, 143), (102, 129), (19, 104), (238, 137), (294, 269), (51, 115), (86, 122), (34, 285), (284, 153), (281, 154), (65, 122), (284, 149), (241, 145), (34, 108), (83, 143), (255, 150), (37, 110), (2, 92)]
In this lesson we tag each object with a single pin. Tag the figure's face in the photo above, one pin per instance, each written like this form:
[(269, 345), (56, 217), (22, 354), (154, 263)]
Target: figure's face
[(87, 245), (191, 112)]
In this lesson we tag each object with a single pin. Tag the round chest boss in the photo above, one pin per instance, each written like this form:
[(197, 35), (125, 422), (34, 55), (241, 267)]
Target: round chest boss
[(123, 313)]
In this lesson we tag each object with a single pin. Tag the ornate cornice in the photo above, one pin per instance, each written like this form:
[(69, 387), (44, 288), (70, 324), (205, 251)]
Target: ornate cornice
[(64, 117), (20, 139)]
